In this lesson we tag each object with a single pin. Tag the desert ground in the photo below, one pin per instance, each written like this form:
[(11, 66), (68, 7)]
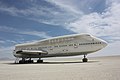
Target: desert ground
[(99, 68)]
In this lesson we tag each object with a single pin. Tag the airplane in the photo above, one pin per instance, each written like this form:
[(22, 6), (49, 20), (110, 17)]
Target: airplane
[(68, 45)]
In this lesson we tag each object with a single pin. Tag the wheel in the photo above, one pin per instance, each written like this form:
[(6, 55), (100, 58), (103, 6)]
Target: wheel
[(85, 60), (21, 62), (39, 61), (30, 61)]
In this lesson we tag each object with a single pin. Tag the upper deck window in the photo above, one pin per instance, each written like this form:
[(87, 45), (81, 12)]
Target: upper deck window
[(55, 46), (62, 45)]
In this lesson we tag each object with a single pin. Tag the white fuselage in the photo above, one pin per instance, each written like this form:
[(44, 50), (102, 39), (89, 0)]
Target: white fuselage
[(78, 44)]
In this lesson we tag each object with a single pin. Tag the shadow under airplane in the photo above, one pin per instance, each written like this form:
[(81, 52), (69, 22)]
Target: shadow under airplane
[(55, 62)]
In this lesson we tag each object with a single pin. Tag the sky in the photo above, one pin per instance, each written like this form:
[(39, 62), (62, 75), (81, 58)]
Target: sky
[(30, 20)]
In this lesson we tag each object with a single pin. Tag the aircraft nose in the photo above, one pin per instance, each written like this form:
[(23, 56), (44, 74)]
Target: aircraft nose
[(104, 43)]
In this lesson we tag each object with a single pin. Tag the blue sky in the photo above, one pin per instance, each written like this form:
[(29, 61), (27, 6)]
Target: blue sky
[(29, 20)]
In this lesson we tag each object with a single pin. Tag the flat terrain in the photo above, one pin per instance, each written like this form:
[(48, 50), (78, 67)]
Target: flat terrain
[(101, 68)]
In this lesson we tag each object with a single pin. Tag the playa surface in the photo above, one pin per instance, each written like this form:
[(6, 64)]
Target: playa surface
[(99, 68)]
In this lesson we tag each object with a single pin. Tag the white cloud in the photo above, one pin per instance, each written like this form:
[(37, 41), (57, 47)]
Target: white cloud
[(36, 33), (7, 42), (100, 24), (66, 5), (48, 15), (22, 12), (105, 24), (1, 41), (7, 29), (26, 32), (6, 52)]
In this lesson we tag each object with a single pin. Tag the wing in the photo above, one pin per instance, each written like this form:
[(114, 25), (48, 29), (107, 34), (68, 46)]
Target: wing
[(34, 52)]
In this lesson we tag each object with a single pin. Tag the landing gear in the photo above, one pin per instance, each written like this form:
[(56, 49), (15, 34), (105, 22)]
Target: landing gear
[(16, 60), (30, 61), (85, 59), (23, 61), (39, 61)]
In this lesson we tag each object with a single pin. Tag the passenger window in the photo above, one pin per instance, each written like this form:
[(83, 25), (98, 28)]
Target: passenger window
[(70, 44), (75, 44), (55, 46)]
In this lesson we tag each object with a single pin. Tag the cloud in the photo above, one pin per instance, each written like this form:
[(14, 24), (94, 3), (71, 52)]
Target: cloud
[(105, 24), (65, 5), (36, 33), (53, 15), (7, 46), (6, 52), (1, 41), (80, 6), (7, 29), (72, 15), (24, 32), (7, 42)]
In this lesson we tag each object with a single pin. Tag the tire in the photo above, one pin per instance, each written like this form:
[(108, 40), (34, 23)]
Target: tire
[(21, 62), (30, 61), (39, 61), (85, 60)]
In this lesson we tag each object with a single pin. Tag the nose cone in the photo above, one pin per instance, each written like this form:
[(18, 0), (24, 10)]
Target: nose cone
[(104, 43)]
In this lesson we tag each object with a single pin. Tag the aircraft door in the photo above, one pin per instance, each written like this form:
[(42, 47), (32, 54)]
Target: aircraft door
[(75, 45)]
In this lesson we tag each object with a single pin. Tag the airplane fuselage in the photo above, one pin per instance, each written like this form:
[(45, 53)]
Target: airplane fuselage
[(70, 45)]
